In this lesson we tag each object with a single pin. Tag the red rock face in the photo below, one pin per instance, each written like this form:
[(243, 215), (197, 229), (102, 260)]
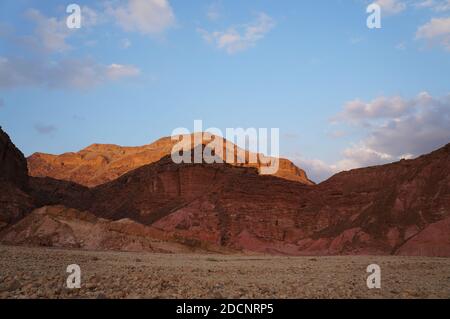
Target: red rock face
[(375, 210), (14, 201), (434, 240), (100, 163), (401, 208)]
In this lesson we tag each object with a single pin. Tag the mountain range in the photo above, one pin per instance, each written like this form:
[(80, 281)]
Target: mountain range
[(109, 197)]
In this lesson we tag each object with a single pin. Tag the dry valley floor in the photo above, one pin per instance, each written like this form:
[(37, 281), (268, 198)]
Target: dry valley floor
[(41, 273)]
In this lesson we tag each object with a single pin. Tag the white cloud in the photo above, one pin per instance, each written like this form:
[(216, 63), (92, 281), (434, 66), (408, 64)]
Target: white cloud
[(236, 39), (397, 128), (117, 71), (391, 7), (434, 28), (53, 69), (361, 156), (144, 16), (435, 5), (316, 169), (50, 33), (353, 157), (69, 73), (380, 107), (437, 29), (420, 132)]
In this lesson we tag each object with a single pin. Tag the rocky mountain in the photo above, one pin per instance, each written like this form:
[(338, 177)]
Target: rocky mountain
[(389, 209), (101, 163), (401, 208)]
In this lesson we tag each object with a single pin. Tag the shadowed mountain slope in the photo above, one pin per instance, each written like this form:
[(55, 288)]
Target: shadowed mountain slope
[(14, 200)]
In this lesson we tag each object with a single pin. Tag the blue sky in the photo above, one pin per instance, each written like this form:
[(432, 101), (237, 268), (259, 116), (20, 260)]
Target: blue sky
[(343, 95)]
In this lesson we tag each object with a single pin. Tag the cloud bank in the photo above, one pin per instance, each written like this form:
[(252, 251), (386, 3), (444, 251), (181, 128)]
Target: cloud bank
[(67, 73), (395, 128)]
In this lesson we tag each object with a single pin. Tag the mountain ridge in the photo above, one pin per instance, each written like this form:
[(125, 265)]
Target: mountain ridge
[(100, 163), (402, 208)]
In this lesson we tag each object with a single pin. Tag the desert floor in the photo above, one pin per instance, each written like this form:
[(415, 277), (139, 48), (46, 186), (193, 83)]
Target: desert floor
[(41, 273)]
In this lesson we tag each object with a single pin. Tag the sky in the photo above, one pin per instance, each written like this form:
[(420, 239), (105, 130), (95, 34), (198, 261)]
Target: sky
[(342, 95)]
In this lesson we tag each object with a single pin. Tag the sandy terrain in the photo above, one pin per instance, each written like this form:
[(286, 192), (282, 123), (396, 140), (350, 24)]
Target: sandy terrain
[(41, 273)]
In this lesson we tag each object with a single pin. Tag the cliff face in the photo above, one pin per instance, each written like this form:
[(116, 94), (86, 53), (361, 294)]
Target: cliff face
[(13, 165), (100, 163), (385, 207), (401, 208), (14, 201), (377, 210), (390, 209)]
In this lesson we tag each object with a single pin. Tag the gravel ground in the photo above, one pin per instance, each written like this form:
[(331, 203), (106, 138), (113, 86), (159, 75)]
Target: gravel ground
[(41, 273)]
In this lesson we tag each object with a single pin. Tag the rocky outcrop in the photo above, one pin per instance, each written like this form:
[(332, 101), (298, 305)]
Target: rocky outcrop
[(58, 226), (13, 165), (14, 200), (101, 163)]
